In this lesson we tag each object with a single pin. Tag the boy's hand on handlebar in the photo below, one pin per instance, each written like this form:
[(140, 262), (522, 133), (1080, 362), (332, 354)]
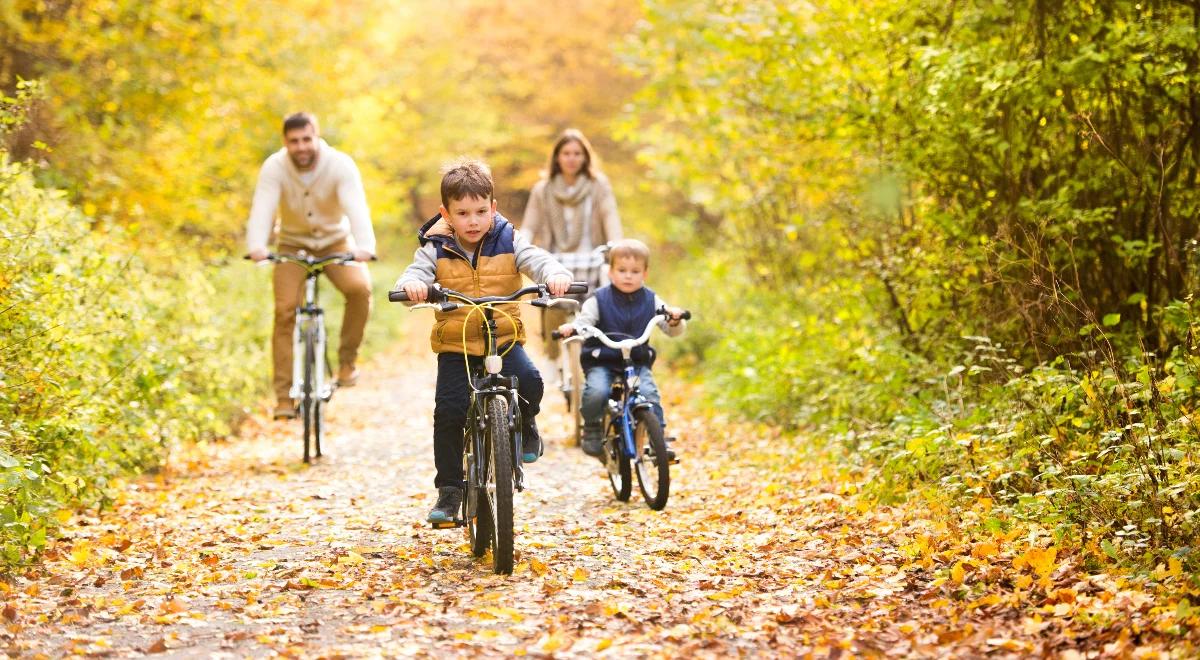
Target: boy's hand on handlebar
[(363, 255), (558, 284), (258, 254), (674, 314), (566, 330), (416, 291)]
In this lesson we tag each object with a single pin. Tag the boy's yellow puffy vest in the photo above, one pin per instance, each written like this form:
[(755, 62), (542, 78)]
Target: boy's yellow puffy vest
[(494, 274)]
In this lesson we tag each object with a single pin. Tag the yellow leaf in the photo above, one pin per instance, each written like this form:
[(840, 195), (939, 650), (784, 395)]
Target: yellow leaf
[(957, 573), (603, 644), (1024, 581), (1041, 560), (62, 515), (580, 574), (81, 553), (1176, 567), (352, 558), (538, 566), (984, 550)]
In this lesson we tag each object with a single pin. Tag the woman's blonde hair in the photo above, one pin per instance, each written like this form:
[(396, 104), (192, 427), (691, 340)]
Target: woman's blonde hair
[(590, 161)]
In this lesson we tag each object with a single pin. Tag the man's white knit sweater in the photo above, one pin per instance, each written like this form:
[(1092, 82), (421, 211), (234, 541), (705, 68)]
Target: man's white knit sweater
[(315, 209)]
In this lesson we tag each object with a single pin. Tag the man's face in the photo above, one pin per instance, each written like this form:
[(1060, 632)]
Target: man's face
[(627, 274), (470, 218), (301, 146)]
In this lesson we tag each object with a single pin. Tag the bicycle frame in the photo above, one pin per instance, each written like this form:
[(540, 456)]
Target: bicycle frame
[(631, 401)]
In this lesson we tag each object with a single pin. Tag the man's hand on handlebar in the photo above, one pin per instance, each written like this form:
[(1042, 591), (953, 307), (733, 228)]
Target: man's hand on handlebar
[(558, 284), (258, 254), (416, 291)]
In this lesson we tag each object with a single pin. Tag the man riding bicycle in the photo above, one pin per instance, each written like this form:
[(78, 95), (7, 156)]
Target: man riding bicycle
[(310, 196)]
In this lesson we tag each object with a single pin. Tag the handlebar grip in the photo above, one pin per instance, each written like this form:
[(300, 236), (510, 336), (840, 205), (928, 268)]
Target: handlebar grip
[(686, 315), (555, 334), (578, 287), (398, 296)]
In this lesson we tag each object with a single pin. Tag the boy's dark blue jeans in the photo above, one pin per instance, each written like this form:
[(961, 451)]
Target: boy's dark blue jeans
[(453, 396)]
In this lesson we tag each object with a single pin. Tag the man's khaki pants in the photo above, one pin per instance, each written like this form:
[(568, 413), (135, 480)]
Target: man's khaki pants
[(352, 280)]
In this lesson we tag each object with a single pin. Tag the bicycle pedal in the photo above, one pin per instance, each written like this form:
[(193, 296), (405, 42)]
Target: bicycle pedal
[(448, 524)]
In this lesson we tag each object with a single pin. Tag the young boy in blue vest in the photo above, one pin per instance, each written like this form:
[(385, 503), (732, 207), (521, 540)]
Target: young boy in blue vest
[(620, 310), (470, 248)]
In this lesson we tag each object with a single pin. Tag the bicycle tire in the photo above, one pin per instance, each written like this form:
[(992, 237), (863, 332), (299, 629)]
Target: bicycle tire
[(476, 510), (500, 484), (617, 464), (654, 478), (307, 397), (576, 394)]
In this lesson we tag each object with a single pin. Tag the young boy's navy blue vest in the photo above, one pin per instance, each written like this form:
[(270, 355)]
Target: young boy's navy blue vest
[(622, 316)]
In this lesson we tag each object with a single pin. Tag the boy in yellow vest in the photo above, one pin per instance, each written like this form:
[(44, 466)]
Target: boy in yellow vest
[(470, 248)]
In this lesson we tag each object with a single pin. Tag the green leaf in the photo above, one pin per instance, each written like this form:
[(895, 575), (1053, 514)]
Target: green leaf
[(1111, 319)]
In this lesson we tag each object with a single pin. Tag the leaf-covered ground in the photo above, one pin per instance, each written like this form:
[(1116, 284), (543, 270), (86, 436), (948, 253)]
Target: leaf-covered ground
[(238, 549)]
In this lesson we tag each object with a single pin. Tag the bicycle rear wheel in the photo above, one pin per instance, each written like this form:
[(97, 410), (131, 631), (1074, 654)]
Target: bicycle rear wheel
[(308, 398), (616, 462), (500, 483), (653, 465), (476, 510)]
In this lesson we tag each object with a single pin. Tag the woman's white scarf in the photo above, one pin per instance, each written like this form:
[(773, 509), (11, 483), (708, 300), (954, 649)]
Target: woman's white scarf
[(566, 234)]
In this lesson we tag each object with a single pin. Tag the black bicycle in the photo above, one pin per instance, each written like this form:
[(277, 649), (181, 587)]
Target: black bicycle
[(633, 438), (312, 373), (492, 437)]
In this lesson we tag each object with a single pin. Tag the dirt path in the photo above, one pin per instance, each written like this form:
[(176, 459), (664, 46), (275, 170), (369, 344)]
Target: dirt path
[(239, 550)]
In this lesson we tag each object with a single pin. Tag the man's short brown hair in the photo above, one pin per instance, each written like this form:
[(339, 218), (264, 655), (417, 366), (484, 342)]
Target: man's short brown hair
[(629, 247), (466, 178), (300, 120)]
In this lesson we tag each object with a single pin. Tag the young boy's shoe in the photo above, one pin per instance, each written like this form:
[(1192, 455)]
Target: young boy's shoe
[(531, 443), (449, 503), (593, 441)]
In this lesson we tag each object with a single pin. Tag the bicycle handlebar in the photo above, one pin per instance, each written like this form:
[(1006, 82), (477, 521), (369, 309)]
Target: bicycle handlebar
[(592, 331), (310, 261), (439, 295)]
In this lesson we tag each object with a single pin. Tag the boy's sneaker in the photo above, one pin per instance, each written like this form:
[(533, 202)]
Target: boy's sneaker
[(593, 441), (670, 442), (531, 443), (449, 503)]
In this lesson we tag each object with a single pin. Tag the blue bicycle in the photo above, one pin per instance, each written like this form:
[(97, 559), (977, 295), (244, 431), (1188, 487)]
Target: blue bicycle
[(633, 438)]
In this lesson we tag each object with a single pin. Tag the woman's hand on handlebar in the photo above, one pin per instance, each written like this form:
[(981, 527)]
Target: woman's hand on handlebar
[(416, 291), (363, 255), (258, 254)]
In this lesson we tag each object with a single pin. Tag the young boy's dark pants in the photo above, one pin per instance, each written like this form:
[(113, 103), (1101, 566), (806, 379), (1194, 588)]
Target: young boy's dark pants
[(453, 396)]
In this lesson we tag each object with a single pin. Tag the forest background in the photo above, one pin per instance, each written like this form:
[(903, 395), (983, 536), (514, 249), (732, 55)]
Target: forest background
[(951, 244)]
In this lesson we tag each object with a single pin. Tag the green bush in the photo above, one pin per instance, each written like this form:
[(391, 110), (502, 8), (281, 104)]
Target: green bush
[(105, 360)]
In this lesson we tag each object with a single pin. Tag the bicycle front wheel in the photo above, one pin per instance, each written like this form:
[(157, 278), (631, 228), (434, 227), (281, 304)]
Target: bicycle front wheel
[(653, 464), (500, 484), (308, 398)]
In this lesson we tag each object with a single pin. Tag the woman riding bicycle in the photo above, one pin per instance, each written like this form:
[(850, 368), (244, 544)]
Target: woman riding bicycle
[(572, 211)]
